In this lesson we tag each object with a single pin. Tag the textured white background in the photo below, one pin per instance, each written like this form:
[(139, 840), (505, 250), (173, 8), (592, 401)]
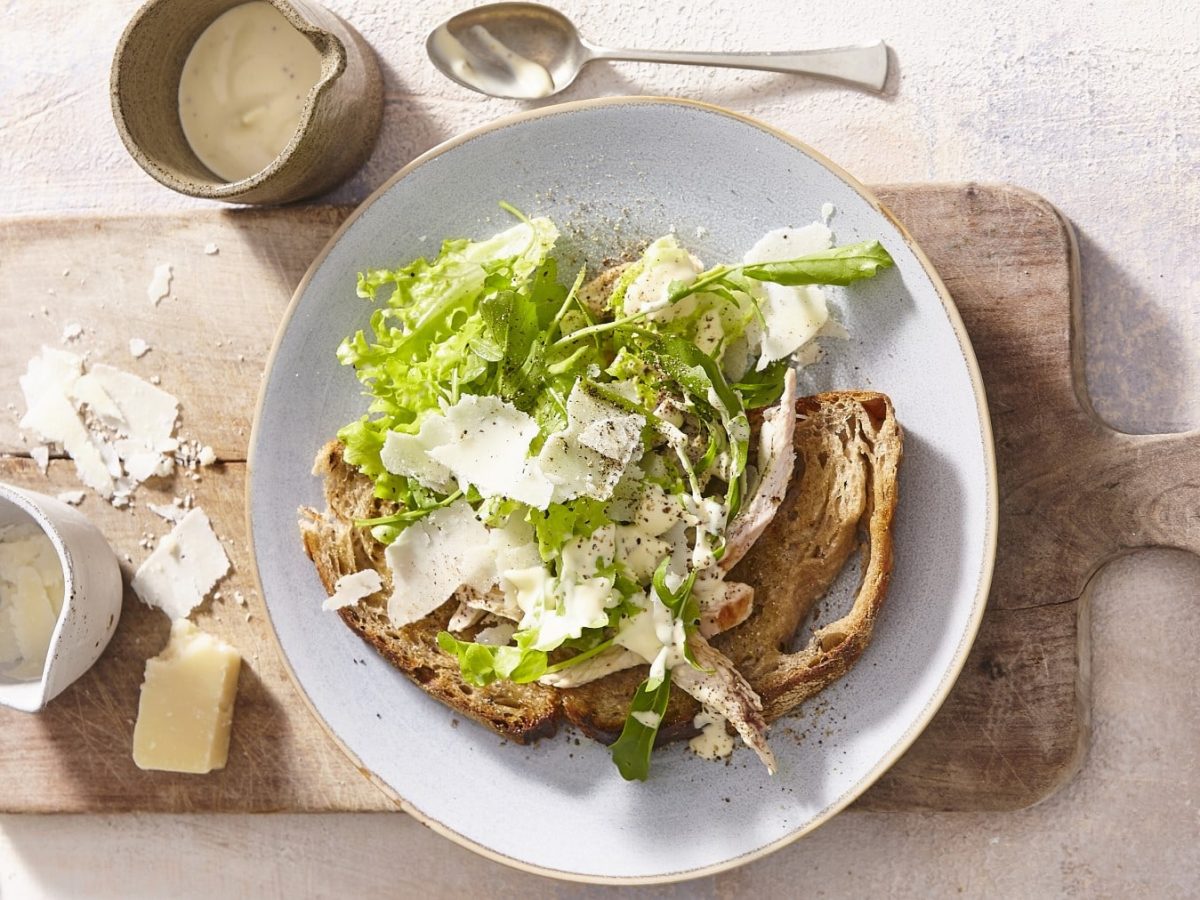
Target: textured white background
[(1095, 105)]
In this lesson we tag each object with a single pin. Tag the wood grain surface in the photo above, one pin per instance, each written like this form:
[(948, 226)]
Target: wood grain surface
[(1073, 494)]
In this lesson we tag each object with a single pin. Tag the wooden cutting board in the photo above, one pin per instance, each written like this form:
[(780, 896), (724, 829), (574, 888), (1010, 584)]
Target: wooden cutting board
[(1073, 494)]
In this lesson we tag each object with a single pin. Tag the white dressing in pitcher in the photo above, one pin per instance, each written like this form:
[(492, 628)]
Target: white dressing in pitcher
[(243, 88)]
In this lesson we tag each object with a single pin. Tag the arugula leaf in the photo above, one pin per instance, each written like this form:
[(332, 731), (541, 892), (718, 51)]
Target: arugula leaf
[(575, 660), (839, 265), (631, 751), (700, 376), (764, 387), (412, 514), (481, 664)]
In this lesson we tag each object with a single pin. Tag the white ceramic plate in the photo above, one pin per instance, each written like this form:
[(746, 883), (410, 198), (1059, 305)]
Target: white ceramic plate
[(612, 173)]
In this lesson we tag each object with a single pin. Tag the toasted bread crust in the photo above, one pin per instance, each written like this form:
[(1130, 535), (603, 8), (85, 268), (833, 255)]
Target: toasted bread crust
[(844, 490)]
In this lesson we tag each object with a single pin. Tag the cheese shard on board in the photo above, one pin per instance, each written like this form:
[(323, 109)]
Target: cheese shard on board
[(185, 713), (433, 557), (349, 589), (183, 568), (160, 283), (116, 427), (49, 412)]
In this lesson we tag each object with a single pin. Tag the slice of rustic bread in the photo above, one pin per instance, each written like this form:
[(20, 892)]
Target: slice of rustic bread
[(842, 495)]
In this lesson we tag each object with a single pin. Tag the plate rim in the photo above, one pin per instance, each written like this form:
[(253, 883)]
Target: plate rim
[(979, 602)]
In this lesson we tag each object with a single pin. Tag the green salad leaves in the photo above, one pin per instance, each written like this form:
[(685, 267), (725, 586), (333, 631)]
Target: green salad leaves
[(622, 414)]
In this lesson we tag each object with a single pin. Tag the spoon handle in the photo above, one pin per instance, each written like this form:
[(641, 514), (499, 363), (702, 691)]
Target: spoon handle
[(864, 65)]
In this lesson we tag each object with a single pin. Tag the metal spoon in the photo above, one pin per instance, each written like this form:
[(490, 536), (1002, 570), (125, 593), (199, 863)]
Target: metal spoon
[(525, 51)]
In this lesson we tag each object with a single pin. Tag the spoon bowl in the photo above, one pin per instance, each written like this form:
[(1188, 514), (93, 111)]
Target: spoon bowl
[(467, 49), (526, 51)]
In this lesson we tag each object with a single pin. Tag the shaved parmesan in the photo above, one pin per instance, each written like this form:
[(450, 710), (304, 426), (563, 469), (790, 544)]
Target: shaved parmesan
[(168, 511), (184, 567), (143, 412), (665, 263), (489, 442), (590, 455), (483, 442), (133, 421), (408, 454), (50, 413), (793, 314), (432, 558), (349, 589), (480, 441)]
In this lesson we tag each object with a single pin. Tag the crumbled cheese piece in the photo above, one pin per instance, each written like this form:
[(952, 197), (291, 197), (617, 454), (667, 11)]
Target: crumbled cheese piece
[(187, 564), (160, 283), (207, 456), (827, 211), (793, 314), (138, 348), (169, 511), (74, 498), (211, 249), (432, 558), (72, 331), (41, 457), (349, 589), (185, 712), (143, 466)]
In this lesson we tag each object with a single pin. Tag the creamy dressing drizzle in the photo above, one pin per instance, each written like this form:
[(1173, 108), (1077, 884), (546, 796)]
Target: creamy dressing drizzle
[(243, 88)]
